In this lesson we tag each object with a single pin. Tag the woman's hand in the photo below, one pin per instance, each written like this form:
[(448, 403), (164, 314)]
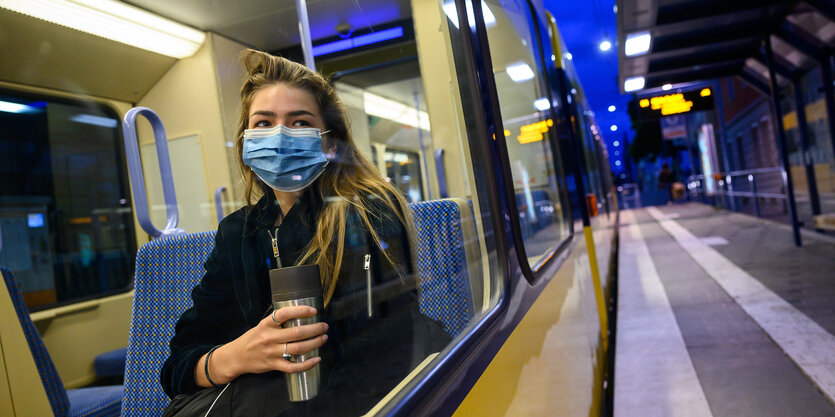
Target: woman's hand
[(261, 349)]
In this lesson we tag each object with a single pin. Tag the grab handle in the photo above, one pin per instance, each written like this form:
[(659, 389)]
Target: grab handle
[(219, 202), (137, 181)]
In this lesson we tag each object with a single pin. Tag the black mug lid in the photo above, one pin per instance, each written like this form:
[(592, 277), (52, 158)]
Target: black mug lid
[(295, 282)]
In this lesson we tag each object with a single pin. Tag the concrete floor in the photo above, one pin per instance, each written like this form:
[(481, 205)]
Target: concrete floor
[(744, 359)]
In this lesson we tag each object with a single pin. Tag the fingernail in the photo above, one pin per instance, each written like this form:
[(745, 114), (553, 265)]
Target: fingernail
[(324, 338), (312, 310), (326, 326), (317, 360)]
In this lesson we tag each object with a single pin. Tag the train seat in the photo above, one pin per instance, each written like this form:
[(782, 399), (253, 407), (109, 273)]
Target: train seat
[(111, 364), (166, 271), (444, 276), (81, 402)]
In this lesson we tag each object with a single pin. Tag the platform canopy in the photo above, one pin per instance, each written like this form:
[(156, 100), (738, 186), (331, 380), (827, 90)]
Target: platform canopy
[(684, 41)]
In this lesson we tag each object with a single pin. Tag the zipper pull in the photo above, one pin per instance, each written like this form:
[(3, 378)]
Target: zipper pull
[(274, 240), (367, 267)]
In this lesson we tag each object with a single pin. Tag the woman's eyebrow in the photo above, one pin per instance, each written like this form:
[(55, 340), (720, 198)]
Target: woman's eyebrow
[(266, 113), (300, 113)]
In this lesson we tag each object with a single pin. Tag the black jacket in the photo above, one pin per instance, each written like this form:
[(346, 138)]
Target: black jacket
[(364, 357)]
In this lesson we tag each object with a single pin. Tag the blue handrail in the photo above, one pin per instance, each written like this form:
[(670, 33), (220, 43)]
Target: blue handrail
[(219, 202), (137, 181)]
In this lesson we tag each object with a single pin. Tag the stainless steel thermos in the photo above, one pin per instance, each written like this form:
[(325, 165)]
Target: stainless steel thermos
[(297, 286)]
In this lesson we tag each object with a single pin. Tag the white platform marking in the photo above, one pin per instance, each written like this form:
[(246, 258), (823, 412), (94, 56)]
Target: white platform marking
[(714, 241), (653, 372), (810, 346)]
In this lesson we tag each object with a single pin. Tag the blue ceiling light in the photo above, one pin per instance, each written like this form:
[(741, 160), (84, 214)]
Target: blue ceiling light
[(356, 42), (9, 107)]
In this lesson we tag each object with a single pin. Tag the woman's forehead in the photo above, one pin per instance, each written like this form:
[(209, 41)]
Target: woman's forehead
[(281, 98)]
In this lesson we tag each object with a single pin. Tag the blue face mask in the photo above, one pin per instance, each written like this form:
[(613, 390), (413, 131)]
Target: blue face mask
[(285, 159)]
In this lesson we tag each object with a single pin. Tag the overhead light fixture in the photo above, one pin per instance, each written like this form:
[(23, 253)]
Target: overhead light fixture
[(116, 21), (617, 163), (613, 128), (358, 41), (612, 108), (395, 111), (616, 143), (666, 87), (519, 72), (633, 84), (637, 43), (95, 120), (605, 45), (452, 14), (542, 104), (568, 56), (9, 107)]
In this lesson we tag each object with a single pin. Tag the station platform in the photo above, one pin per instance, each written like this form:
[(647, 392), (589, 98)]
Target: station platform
[(719, 314)]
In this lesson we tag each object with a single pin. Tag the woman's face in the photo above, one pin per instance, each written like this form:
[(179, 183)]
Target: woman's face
[(280, 104)]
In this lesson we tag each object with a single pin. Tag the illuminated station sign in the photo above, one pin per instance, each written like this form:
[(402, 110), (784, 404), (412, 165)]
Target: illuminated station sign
[(676, 103)]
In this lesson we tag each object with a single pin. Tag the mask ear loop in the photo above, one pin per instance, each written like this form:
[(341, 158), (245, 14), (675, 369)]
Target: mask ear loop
[(331, 155)]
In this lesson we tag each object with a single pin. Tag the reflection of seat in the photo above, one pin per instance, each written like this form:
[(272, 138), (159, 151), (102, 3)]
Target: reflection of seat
[(442, 263), (166, 271), (94, 401)]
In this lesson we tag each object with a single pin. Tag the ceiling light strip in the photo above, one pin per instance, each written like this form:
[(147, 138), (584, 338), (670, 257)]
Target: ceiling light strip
[(115, 21)]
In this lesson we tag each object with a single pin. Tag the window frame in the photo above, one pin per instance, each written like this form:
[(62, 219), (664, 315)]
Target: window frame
[(124, 186)]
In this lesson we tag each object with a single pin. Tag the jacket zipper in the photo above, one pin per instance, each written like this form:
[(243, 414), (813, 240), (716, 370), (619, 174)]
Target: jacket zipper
[(274, 240), (367, 268)]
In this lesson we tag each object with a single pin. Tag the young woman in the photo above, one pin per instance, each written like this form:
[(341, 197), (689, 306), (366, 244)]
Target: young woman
[(323, 203)]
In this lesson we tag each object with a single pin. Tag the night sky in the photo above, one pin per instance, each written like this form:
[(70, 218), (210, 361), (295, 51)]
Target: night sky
[(584, 25)]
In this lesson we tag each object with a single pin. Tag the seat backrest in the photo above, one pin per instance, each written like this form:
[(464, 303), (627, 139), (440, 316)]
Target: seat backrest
[(49, 375), (166, 271), (445, 291)]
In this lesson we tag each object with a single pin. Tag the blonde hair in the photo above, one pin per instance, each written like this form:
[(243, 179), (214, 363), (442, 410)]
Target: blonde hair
[(348, 181)]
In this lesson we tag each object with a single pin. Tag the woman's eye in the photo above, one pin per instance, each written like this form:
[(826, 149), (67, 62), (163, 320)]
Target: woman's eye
[(261, 123), (300, 123)]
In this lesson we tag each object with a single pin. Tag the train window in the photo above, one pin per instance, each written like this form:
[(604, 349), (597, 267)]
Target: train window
[(65, 214), (403, 101), (526, 115)]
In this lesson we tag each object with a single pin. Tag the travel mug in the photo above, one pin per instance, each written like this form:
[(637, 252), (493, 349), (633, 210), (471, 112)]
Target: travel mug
[(299, 286)]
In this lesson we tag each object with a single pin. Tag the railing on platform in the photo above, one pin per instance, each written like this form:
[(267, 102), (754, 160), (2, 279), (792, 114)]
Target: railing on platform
[(629, 195), (737, 184)]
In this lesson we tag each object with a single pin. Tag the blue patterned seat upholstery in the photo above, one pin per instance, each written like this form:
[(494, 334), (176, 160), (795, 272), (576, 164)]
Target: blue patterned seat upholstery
[(82, 402), (166, 271), (445, 289)]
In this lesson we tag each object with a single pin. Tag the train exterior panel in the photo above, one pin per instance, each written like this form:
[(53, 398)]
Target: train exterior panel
[(484, 89)]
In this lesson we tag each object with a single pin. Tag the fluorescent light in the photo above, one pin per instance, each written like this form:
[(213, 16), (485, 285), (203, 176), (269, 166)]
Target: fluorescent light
[(605, 45), (637, 43), (362, 40), (617, 163), (666, 87), (633, 84), (519, 72), (568, 56), (9, 107), (452, 14), (613, 128), (612, 108), (116, 21), (616, 143), (394, 111), (94, 120), (542, 104)]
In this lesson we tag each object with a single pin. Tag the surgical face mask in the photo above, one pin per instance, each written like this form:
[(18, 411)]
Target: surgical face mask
[(285, 159)]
